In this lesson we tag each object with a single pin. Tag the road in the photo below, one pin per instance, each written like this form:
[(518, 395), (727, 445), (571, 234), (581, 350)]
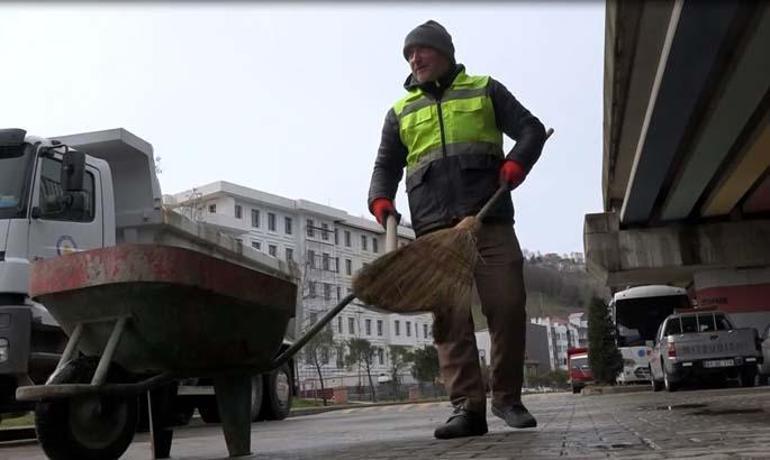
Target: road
[(703, 424)]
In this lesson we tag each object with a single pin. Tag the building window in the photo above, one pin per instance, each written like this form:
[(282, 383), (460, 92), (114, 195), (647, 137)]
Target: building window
[(348, 266), (327, 291), (311, 289), (272, 250), (289, 255), (287, 225), (324, 355), (238, 211), (351, 326), (408, 328), (336, 237), (341, 356), (347, 239), (368, 324), (325, 261), (325, 232), (381, 356), (256, 245), (339, 324), (311, 258), (310, 231), (255, 218), (375, 244), (363, 243), (425, 331), (271, 221), (397, 327), (213, 208), (339, 293), (379, 327), (336, 265)]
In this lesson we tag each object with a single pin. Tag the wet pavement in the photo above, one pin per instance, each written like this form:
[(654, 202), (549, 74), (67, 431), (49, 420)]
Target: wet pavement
[(703, 424)]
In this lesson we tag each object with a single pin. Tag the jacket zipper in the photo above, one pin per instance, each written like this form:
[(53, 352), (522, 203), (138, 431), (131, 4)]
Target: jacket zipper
[(449, 189)]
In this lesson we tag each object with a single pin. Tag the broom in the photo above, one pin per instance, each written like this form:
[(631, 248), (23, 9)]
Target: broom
[(434, 273)]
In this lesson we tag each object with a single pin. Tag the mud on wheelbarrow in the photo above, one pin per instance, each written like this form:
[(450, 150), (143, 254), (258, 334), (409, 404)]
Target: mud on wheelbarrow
[(141, 317)]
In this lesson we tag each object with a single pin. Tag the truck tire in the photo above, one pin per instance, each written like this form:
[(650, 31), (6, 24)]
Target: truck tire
[(276, 403), (210, 411), (575, 390), (657, 385), (667, 383), (748, 377), (90, 427)]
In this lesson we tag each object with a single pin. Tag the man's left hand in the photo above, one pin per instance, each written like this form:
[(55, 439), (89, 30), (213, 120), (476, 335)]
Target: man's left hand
[(511, 174)]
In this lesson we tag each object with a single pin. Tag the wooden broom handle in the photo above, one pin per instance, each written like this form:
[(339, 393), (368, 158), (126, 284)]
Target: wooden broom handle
[(502, 190), (390, 233)]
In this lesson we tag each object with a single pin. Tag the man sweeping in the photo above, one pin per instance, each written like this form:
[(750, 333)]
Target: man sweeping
[(447, 132)]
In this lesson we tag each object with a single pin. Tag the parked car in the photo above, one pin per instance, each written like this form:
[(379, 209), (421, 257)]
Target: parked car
[(701, 345), (764, 366)]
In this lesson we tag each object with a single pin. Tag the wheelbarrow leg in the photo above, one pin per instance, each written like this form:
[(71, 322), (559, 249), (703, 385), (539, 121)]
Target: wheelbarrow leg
[(234, 400), (160, 434)]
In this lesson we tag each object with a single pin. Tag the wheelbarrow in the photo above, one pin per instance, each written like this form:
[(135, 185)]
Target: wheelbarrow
[(140, 317)]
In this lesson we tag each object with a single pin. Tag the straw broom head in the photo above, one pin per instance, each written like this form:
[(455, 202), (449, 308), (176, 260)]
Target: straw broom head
[(434, 273)]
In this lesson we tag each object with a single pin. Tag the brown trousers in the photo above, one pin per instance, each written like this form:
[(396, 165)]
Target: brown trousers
[(500, 285)]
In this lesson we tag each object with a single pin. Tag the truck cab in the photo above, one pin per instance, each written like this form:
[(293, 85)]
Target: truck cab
[(44, 212)]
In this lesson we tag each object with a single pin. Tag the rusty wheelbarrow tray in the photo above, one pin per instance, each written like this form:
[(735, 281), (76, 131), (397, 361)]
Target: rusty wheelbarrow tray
[(166, 313)]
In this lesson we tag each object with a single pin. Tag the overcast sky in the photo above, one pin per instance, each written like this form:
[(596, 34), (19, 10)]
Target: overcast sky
[(291, 99)]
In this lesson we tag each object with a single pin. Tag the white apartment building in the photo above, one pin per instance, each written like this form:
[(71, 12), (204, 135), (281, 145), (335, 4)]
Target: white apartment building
[(329, 246)]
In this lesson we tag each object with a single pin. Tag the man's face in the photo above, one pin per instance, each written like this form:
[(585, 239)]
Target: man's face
[(427, 63)]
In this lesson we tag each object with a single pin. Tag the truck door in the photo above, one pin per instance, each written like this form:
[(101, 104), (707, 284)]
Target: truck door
[(53, 229)]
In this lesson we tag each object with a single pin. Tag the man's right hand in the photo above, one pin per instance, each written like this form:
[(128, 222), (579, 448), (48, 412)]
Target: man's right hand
[(381, 208)]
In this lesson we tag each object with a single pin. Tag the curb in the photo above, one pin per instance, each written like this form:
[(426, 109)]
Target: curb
[(322, 409)]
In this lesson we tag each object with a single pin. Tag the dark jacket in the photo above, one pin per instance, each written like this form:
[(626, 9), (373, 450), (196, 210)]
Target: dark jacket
[(447, 190)]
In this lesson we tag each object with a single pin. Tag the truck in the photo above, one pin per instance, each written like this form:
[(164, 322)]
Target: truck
[(696, 345), (637, 312), (119, 202), (579, 370)]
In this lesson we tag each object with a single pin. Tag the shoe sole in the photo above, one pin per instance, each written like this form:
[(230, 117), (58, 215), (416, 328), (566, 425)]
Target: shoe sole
[(499, 414)]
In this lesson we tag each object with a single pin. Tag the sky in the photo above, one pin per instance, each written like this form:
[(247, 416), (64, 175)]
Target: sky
[(290, 99)]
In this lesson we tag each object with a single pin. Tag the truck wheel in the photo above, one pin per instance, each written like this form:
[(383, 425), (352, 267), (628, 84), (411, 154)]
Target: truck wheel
[(748, 377), (86, 427), (656, 384), (210, 411), (276, 403), (575, 390), (667, 383)]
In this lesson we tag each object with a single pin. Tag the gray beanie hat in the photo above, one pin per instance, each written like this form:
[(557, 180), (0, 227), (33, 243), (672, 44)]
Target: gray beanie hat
[(431, 34)]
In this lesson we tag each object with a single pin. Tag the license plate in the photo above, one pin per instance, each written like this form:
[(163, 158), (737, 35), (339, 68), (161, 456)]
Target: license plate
[(719, 363)]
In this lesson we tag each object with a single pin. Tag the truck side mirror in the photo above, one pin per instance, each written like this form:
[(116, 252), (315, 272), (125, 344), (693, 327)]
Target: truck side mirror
[(72, 171)]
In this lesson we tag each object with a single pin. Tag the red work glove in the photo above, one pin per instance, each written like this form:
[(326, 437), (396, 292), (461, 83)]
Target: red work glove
[(511, 173), (381, 208)]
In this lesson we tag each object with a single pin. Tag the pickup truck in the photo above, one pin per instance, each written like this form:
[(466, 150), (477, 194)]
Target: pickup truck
[(702, 345)]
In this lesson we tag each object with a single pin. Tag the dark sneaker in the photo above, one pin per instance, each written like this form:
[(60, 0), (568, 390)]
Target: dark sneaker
[(515, 415), (462, 423)]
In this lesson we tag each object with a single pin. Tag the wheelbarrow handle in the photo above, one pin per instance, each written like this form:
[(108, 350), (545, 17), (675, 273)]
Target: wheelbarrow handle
[(296, 346)]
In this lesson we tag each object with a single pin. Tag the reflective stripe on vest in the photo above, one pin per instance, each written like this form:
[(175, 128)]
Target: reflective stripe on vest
[(468, 117)]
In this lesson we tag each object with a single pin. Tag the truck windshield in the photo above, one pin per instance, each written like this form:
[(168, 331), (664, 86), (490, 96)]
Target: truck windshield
[(637, 320), (14, 170)]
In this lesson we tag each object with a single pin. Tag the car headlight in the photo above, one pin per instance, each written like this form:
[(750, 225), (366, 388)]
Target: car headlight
[(4, 345)]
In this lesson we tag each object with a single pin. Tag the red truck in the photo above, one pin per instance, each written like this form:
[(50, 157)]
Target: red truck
[(579, 370)]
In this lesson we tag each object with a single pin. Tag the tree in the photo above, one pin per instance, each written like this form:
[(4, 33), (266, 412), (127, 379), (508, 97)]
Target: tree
[(603, 355), (317, 352), (425, 367), (400, 357), (361, 353)]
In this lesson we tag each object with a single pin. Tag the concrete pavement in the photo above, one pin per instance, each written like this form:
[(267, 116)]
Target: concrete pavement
[(703, 424)]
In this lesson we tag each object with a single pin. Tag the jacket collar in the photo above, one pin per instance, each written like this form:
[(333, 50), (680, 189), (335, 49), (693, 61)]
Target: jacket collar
[(444, 82)]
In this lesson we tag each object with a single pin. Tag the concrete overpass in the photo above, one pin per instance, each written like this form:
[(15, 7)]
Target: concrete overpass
[(686, 162)]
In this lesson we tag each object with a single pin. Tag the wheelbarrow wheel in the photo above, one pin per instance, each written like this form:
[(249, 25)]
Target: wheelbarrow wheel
[(90, 426), (277, 399)]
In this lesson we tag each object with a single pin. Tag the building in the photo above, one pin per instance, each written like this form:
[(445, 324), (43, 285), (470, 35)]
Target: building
[(577, 330), (558, 340), (327, 246), (536, 354)]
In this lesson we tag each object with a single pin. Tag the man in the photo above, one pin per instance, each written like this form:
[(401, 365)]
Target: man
[(447, 132)]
